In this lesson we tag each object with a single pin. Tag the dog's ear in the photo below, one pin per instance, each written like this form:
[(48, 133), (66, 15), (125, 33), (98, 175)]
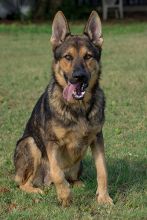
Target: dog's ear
[(60, 29), (93, 29)]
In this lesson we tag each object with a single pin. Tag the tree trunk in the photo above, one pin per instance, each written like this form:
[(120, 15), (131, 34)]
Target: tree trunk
[(54, 5), (41, 9), (46, 6)]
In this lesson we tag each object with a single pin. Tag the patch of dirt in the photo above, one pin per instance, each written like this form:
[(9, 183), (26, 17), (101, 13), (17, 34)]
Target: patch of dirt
[(4, 190), (11, 207)]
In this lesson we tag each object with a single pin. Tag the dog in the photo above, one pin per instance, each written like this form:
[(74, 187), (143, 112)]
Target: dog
[(69, 116)]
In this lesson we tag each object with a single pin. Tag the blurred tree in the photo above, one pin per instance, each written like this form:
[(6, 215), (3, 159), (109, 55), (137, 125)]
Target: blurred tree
[(44, 7), (54, 5), (40, 9)]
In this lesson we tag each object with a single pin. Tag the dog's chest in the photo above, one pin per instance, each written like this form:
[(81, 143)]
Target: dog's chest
[(82, 131), (74, 140)]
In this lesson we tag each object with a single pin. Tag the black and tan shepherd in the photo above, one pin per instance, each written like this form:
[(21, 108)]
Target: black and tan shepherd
[(68, 117)]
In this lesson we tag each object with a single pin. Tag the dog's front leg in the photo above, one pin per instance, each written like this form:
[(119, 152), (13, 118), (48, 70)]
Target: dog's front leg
[(97, 148), (58, 177)]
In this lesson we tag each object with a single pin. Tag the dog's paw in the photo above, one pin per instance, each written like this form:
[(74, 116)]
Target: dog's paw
[(64, 195), (65, 202), (30, 189), (78, 183), (105, 199)]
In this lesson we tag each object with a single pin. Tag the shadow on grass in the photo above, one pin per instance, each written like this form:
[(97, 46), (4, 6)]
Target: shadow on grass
[(124, 176)]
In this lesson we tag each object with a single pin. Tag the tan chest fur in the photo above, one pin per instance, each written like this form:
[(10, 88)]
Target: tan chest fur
[(74, 141)]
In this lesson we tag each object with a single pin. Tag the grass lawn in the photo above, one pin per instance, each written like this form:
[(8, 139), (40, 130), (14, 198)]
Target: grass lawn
[(25, 60)]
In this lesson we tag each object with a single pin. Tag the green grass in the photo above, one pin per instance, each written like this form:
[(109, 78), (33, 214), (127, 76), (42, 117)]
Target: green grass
[(25, 60)]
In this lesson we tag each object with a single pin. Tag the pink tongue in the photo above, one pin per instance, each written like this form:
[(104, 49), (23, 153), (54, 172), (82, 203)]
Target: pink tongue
[(68, 91)]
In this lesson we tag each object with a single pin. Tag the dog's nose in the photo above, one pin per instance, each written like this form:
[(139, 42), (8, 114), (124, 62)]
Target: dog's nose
[(79, 75)]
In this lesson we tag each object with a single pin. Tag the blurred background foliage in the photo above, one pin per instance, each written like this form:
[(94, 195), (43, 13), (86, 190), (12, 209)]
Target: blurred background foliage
[(45, 9)]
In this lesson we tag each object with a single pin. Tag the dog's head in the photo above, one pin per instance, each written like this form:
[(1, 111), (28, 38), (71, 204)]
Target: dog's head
[(76, 57)]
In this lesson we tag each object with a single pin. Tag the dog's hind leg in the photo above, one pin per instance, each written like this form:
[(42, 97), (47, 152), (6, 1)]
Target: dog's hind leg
[(27, 158)]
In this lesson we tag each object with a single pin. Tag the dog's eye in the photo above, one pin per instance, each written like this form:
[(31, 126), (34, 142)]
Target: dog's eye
[(87, 57), (68, 57)]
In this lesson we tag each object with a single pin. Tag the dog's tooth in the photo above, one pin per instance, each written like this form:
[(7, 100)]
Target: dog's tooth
[(78, 96), (82, 87)]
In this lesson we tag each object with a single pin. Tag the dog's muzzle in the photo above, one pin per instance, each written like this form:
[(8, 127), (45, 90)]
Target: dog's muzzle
[(82, 78), (76, 85)]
